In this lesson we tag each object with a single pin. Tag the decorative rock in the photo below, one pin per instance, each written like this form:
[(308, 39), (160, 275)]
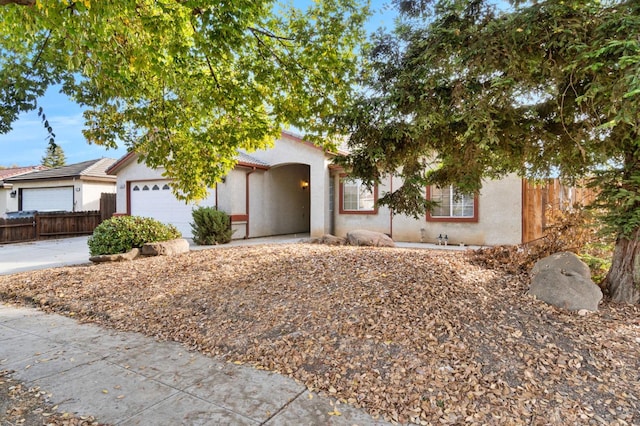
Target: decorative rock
[(118, 257), (362, 237), (330, 240), (166, 248), (563, 280)]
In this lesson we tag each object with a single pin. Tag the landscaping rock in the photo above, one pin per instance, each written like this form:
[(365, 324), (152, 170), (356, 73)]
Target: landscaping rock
[(118, 257), (362, 237), (166, 248), (330, 240), (563, 280)]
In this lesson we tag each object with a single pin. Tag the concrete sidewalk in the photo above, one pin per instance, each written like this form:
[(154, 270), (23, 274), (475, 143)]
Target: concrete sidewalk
[(129, 379)]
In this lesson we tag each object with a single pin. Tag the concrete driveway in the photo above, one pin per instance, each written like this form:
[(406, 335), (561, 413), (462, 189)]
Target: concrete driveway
[(43, 254)]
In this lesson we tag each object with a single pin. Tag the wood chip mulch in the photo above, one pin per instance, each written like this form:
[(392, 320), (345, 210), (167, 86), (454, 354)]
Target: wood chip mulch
[(414, 336)]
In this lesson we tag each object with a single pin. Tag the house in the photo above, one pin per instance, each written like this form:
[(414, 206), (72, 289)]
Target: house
[(9, 196), (76, 187), (294, 188), (270, 192)]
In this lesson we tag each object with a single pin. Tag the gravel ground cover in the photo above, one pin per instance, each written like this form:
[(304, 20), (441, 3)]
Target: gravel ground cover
[(414, 336)]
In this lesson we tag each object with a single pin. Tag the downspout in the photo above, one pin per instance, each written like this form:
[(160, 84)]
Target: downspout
[(391, 208), (246, 209), (74, 194)]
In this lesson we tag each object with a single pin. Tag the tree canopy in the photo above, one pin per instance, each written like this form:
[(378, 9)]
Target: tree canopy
[(462, 91), (183, 83)]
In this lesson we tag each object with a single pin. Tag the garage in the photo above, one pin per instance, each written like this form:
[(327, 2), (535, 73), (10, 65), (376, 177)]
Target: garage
[(155, 199), (47, 199)]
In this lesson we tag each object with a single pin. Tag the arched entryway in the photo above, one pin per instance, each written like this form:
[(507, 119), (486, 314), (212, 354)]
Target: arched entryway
[(282, 201)]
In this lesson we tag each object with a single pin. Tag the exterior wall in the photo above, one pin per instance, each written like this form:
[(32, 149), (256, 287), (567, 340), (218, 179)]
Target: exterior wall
[(499, 218), (7, 204), (88, 198), (232, 200)]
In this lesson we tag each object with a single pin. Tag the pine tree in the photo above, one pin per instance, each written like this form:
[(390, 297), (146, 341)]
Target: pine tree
[(54, 156)]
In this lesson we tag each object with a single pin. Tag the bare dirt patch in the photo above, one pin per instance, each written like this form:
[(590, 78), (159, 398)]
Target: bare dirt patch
[(413, 335)]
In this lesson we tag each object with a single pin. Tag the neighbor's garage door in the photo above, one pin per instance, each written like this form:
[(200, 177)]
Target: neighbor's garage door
[(48, 199), (155, 199)]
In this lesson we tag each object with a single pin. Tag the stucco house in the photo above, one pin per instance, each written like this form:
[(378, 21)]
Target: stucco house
[(75, 187), (293, 188)]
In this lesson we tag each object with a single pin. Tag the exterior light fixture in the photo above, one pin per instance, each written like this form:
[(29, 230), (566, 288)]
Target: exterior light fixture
[(13, 193), (304, 184)]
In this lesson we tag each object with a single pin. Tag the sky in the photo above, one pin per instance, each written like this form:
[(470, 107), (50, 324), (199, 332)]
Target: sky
[(26, 144)]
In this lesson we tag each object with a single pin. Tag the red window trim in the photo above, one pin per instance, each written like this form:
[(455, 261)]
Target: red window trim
[(343, 211), (473, 218)]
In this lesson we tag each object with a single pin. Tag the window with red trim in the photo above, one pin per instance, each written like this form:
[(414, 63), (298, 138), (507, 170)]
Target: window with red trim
[(453, 206), (356, 198)]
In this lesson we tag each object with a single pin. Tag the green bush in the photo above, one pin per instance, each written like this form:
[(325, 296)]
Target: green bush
[(211, 226), (122, 233)]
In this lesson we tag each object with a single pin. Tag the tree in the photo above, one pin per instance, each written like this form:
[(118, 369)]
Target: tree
[(54, 156), (183, 83), (544, 87)]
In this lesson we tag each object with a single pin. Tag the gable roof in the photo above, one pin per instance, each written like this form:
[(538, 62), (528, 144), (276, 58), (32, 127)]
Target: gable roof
[(244, 159), (86, 170)]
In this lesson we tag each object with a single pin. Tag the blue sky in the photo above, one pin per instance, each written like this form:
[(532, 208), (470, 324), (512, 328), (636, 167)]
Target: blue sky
[(26, 144)]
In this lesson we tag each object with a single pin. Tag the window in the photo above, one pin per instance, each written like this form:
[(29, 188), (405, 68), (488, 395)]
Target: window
[(356, 198), (453, 206)]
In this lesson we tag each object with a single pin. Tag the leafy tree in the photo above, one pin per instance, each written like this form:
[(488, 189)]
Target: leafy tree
[(184, 83), (540, 88), (54, 156)]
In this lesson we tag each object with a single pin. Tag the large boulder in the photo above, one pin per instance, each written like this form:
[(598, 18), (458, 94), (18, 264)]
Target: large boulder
[(563, 280), (166, 248), (362, 237)]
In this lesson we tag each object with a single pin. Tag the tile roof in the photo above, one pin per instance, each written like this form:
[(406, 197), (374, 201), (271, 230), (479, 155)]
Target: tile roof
[(91, 168), (247, 160), (15, 171)]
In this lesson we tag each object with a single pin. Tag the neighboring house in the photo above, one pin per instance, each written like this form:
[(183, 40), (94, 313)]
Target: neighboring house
[(76, 187), (293, 188), (8, 195)]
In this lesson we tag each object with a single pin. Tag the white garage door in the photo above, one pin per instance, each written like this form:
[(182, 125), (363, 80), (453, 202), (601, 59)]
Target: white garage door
[(155, 199), (48, 199)]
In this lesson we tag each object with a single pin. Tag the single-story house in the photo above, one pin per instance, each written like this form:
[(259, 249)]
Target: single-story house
[(293, 188), (76, 187)]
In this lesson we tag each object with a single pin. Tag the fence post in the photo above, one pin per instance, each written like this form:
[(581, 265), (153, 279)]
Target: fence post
[(36, 223)]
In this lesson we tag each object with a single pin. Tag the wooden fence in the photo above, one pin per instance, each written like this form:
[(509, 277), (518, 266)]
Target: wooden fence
[(48, 225), (539, 199), (107, 205)]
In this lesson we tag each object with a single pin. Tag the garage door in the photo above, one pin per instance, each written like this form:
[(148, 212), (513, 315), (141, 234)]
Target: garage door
[(155, 199), (48, 199)]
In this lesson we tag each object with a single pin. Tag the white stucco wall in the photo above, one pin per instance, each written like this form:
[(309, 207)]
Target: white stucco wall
[(7, 204), (88, 198), (499, 218)]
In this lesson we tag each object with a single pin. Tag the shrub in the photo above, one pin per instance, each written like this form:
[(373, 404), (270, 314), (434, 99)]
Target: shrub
[(122, 233), (575, 230), (211, 226)]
